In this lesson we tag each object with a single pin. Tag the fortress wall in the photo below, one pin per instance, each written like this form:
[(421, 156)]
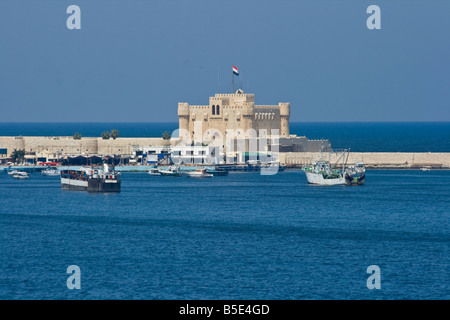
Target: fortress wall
[(49, 145), (403, 159), (43, 146), (125, 145), (67, 145)]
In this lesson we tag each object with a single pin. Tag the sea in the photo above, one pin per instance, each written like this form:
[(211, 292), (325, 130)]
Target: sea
[(242, 236)]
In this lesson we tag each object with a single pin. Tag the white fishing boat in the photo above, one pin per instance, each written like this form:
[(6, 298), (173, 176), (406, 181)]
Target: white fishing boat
[(321, 172), (199, 173), (425, 169), (20, 175), (154, 172), (51, 172), (13, 172), (171, 172)]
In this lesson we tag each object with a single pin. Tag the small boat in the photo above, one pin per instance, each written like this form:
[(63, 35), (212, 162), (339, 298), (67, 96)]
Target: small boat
[(199, 173), (355, 174), (217, 172), (51, 172), (13, 172), (425, 169), (171, 172), (154, 172), (271, 168), (20, 175)]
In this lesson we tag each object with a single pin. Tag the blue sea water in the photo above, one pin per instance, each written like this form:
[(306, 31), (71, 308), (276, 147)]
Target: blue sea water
[(358, 136), (242, 236)]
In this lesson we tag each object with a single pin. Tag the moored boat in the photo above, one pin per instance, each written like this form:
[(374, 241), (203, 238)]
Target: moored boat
[(355, 174), (199, 173), (171, 172), (51, 172), (20, 175), (154, 172), (91, 179), (217, 172)]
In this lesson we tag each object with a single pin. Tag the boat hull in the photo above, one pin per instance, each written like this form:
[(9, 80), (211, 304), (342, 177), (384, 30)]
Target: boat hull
[(217, 173), (50, 174), (171, 174), (208, 175), (20, 177), (317, 178), (91, 185)]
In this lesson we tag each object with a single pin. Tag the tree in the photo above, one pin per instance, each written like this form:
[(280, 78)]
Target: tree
[(114, 134), (105, 135), (18, 155), (166, 135), (76, 136)]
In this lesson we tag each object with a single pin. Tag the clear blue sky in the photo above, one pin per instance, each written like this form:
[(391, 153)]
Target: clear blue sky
[(135, 60)]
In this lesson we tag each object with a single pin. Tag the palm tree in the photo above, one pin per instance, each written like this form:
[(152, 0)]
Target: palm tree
[(166, 135), (105, 135), (114, 134), (76, 136), (18, 155)]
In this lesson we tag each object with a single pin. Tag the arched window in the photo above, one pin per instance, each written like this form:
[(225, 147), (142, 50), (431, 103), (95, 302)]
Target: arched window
[(213, 110), (218, 110)]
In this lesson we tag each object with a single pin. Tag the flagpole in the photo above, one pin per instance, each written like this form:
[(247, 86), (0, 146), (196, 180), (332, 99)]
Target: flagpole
[(232, 81), (241, 83)]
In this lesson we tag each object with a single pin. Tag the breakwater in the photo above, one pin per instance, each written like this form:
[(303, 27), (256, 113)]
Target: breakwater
[(394, 160)]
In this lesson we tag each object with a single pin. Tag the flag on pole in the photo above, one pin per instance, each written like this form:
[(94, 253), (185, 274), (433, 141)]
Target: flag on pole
[(235, 70)]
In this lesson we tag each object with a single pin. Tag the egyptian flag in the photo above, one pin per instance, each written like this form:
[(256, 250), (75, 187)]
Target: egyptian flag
[(235, 70)]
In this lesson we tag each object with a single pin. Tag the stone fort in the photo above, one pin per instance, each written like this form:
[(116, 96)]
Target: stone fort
[(236, 111)]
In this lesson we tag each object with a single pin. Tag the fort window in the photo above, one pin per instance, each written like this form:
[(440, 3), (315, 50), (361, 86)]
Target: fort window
[(213, 110), (218, 110)]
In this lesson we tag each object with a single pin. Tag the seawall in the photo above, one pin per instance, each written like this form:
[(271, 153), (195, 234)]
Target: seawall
[(406, 160)]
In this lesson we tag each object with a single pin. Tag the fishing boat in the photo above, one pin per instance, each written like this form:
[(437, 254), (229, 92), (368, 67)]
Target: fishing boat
[(154, 172), (91, 179), (321, 172), (13, 172), (425, 169), (171, 172), (355, 174), (199, 173), (21, 175), (51, 172)]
